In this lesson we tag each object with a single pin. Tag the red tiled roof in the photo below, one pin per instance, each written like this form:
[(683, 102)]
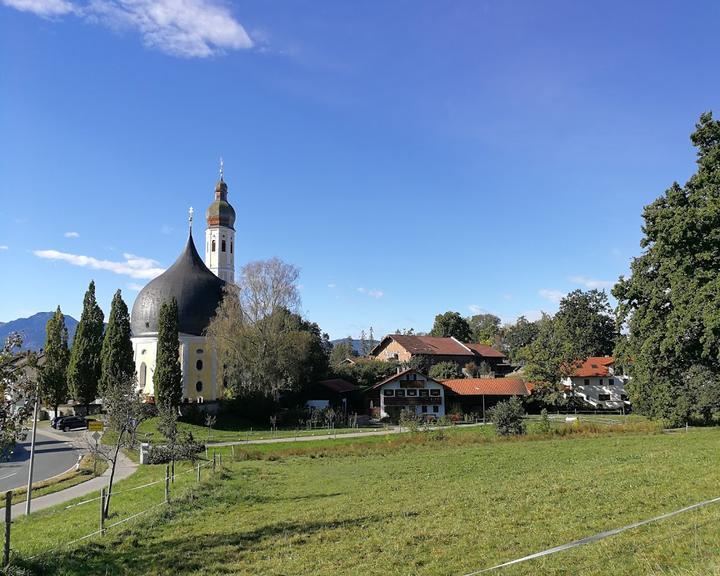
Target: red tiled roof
[(439, 346), (594, 366), (338, 385), (487, 386)]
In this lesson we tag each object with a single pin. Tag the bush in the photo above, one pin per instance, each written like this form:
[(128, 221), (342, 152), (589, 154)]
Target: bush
[(544, 426), (508, 417), (409, 420)]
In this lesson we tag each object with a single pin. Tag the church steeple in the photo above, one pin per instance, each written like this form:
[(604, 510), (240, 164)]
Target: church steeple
[(220, 232)]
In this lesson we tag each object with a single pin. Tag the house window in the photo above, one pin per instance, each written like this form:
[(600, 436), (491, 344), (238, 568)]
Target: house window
[(436, 409), (388, 392), (424, 393), (198, 386), (611, 381), (435, 392), (399, 392), (424, 409), (587, 381), (213, 245), (199, 364), (411, 392), (601, 381), (624, 397), (604, 397), (224, 382), (223, 245)]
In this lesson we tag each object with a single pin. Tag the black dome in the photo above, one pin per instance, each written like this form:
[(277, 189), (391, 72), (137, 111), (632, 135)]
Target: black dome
[(197, 290)]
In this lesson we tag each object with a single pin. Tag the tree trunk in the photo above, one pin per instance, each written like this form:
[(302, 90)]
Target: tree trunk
[(112, 473)]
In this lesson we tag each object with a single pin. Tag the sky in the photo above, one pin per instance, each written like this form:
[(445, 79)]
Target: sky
[(409, 157)]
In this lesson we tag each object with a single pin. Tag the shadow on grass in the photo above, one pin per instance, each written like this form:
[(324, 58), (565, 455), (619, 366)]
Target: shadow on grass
[(129, 553)]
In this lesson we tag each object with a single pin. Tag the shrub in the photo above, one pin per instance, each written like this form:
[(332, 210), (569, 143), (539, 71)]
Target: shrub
[(544, 426), (508, 417), (409, 420)]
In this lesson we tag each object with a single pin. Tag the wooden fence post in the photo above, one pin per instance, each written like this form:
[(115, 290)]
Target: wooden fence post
[(213, 462), (167, 483), (8, 521), (220, 456), (102, 511), (232, 448), (198, 472), (172, 472)]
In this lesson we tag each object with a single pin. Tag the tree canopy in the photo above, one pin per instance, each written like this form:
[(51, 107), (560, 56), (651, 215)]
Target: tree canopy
[(445, 371), (167, 378), (451, 324), (485, 328), (117, 364), (670, 303), (52, 377)]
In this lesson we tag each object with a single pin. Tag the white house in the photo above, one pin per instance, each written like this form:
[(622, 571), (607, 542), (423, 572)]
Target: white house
[(597, 382), (411, 390)]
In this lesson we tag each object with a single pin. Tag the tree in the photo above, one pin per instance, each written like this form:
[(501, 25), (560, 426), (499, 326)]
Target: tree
[(52, 376), (340, 352), (117, 362), (366, 371), (508, 417), (263, 344), (18, 392), (167, 379), (445, 371), (517, 336), (670, 304), (85, 357), (451, 324), (485, 328)]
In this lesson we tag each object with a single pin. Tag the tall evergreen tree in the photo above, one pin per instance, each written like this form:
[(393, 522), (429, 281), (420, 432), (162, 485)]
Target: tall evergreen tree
[(117, 363), (84, 368), (167, 378), (52, 379)]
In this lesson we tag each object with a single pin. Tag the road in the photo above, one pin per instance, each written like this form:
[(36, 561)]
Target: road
[(52, 457)]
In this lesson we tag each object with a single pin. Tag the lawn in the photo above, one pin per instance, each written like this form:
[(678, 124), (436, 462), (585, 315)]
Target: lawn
[(429, 504)]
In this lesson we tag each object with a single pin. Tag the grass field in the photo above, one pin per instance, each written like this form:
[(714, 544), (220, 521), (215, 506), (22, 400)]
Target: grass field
[(430, 504)]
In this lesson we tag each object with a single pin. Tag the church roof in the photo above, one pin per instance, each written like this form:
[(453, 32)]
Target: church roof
[(196, 289)]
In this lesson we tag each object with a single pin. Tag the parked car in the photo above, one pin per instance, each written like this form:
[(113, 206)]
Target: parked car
[(72, 423), (56, 421)]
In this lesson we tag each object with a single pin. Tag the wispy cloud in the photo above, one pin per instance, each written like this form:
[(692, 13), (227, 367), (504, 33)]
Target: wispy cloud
[(72, 235), (476, 309), (373, 293), (44, 8), (552, 295), (133, 266), (591, 283), (135, 286), (187, 28), (166, 229), (331, 286), (4, 247)]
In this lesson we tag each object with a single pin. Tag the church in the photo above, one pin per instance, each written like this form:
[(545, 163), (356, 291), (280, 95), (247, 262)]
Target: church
[(197, 286)]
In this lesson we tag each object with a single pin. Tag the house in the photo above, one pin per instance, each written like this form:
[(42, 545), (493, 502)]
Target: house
[(409, 389), (404, 348), (599, 383), (334, 392), (477, 395)]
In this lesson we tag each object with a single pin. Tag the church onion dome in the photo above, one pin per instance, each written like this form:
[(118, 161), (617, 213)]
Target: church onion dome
[(198, 293), (221, 212)]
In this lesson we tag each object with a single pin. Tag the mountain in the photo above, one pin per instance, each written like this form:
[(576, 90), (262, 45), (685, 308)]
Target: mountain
[(33, 329), (357, 346)]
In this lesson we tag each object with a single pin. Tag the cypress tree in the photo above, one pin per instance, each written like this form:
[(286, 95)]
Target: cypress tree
[(83, 372), (117, 363), (52, 380), (167, 378)]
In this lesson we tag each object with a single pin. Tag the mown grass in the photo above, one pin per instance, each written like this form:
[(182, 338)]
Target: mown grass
[(416, 504)]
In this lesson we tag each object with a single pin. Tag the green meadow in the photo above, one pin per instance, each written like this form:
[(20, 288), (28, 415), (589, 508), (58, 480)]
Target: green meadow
[(431, 503)]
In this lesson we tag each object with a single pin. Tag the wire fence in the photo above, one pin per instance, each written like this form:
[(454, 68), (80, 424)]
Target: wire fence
[(63, 529)]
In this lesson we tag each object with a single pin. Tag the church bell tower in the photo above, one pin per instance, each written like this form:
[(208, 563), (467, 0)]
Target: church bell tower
[(220, 233)]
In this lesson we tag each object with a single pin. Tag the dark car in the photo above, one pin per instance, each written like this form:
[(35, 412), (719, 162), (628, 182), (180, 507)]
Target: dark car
[(72, 423), (55, 422)]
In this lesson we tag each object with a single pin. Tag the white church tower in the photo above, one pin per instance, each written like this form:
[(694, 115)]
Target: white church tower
[(220, 234)]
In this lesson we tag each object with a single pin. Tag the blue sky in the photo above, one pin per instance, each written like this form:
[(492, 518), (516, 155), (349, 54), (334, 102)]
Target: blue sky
[(410, 157)]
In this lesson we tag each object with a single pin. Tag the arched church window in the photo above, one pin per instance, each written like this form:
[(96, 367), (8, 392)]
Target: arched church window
[(231, 246), (198, 386), (142, 375), (213, 245), (199, 364), (223, 245)]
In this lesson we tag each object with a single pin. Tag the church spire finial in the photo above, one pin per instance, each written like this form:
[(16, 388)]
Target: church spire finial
[(222, 170), (190, 218)]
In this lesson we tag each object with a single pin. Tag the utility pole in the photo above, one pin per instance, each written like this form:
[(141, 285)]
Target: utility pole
[(32, 455)]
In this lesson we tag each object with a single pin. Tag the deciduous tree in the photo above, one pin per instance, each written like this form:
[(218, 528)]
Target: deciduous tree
[(451, 324)]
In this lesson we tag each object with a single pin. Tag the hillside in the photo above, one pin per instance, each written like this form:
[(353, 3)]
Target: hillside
[(32, 329)]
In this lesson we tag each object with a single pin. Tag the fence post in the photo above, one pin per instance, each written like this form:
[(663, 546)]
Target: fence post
[(198, 472), (167, 483), (172, 472), (220, 457), (102, 511), (213, 462), (8, 521), (232, 448)]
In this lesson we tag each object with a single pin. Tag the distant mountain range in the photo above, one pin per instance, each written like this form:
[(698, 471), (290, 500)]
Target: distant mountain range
[(357, 344), (32, 329)]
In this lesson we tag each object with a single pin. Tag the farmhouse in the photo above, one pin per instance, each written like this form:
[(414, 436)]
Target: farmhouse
[(434, 349), (409, 389), (599, 383), (477, 395)]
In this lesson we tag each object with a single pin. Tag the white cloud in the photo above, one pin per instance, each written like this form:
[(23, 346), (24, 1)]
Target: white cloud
[(135, 286), (507, 296), (591, 283), (4, 247), (331, 286), (72, 235), (44, 8), (166, 229), (133, 266), (476, 309), (552, 295), (374, 293), (187, 28)]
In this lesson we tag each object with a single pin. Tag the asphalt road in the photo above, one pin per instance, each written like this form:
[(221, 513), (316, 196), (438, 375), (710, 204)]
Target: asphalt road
[(52, 457)]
